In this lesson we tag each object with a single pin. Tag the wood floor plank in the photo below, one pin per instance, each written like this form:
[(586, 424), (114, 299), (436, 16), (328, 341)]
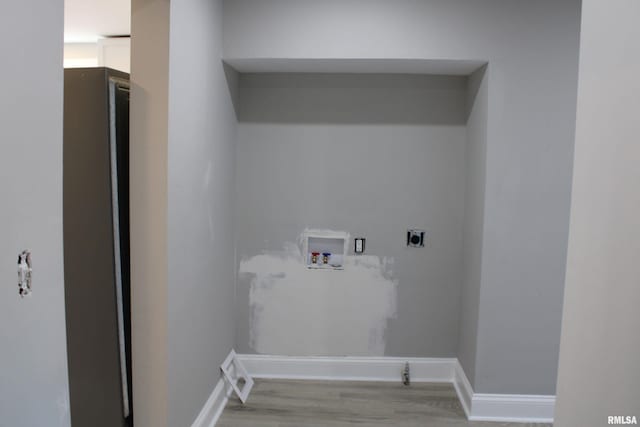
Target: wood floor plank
[(288, 403)]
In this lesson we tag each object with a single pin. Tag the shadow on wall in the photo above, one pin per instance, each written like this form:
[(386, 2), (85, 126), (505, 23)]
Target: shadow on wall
[(232, 77), (352, 98)]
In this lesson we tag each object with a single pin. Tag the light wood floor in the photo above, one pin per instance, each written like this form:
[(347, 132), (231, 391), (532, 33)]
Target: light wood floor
[(279, 403)]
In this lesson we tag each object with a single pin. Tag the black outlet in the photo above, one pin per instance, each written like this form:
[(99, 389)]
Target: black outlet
[(415, 238)]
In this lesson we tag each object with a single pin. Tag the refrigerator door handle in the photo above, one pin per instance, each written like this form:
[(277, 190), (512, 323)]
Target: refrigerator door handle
[(113, 86)]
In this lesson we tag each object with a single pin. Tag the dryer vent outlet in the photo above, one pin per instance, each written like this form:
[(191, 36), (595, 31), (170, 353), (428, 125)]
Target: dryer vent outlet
[(415, 238)]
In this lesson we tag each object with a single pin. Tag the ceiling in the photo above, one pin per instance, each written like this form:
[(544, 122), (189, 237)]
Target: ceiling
[(88, 20)]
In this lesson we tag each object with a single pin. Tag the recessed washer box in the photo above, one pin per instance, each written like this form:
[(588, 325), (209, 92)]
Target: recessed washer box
[(324, 249)]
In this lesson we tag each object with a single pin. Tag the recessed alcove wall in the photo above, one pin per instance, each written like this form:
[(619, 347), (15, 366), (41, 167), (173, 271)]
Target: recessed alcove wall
[(374, 155)]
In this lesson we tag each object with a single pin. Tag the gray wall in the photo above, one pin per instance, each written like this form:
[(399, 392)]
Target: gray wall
[(598, 374), (148, 209), (475, 178), (373, 155), (201, 165), (33, 377), (532, 48), (182, 165)]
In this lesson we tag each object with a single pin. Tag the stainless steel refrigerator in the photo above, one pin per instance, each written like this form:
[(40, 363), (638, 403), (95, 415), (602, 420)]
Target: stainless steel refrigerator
[(96, 246)]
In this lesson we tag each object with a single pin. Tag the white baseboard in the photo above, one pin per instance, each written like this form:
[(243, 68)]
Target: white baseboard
[(214, 406), (513, 408), (463, 389), (349, 368), (502, 407), (477, 406)]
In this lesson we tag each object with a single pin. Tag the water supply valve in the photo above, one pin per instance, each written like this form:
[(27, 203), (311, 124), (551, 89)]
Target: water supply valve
[(24, 273)]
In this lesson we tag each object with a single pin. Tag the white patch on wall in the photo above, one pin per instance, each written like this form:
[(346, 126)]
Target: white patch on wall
[(64, 408), (301, 312)]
